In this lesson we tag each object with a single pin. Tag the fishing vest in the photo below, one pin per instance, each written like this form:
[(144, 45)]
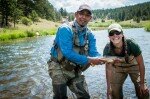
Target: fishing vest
[(82, 50), (131, 60)]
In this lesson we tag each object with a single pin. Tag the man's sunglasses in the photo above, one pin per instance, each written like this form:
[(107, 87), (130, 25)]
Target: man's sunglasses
[(114, 32)]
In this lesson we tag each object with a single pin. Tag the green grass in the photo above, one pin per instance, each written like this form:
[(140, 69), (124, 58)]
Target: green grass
[(45, 27), (147, 27), (7, 34), (48, 32), (10, 34), (98, 25), (41, 28)]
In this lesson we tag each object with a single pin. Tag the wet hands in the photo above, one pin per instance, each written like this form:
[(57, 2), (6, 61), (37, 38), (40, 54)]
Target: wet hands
[(96, 61), (100, 61), (113, 60), (118, 60), (143, 90)]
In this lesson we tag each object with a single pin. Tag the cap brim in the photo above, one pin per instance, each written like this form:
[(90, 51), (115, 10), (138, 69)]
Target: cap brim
[(85, 9), (115, 29)]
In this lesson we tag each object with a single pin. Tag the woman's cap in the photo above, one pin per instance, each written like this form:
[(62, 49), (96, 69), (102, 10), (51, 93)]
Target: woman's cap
[(115, 27)]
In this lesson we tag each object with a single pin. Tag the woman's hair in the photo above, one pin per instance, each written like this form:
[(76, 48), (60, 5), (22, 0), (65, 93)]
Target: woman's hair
[(124, 50)]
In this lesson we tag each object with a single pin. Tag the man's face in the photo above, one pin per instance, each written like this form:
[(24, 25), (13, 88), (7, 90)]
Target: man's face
[(83, 17)]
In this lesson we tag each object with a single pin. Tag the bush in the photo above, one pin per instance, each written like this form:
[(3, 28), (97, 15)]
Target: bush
[(26, 21), (14, 36), (30, 33), (4, 37), (103, 20), (22, 35)]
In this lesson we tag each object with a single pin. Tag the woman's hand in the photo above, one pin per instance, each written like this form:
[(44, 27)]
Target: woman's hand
[(143, 90), (109, 93), (118, 60)]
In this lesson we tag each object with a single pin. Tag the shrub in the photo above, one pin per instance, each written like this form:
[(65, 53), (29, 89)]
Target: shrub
[(14, 36), (30, 33), (26, 21), (4, 37)]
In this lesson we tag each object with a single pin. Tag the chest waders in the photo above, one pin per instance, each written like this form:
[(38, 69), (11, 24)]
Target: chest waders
[(120, 74), (82, 50), (126, 63)]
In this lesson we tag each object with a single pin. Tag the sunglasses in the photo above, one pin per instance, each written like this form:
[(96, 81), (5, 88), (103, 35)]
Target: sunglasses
[(114, 32)]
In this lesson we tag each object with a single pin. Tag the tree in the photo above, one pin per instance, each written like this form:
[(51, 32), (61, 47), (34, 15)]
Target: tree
[(34, 16), (16, 15), (15, 11), (5, 12), (139, 12), (63, 12), (26, 6)]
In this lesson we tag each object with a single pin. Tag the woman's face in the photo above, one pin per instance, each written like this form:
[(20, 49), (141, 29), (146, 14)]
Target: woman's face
[(115, 37)]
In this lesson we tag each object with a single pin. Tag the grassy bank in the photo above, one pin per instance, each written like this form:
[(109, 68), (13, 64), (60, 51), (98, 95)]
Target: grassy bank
[(45, 27), (147, 27), (98, 25), (10, 34), (41, 28)]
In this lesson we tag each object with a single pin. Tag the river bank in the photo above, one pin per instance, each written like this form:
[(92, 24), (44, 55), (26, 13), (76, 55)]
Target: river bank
[(45, 27), (100, 25), (41, 28)]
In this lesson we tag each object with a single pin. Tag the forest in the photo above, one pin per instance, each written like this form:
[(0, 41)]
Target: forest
[(14, 10), (30, 10), (136, 12)]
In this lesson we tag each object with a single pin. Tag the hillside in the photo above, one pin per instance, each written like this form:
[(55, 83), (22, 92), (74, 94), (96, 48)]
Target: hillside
[(136, 12), (43, 24)]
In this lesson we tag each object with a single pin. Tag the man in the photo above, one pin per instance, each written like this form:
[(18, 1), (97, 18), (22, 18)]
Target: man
[(71, 53)]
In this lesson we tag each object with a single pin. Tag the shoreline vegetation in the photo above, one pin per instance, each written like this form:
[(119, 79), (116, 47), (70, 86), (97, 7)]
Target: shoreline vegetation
[(99, 25), (41, 28), (45, 27)]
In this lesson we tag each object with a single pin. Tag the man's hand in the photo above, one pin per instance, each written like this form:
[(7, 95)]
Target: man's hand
[(96, 61)]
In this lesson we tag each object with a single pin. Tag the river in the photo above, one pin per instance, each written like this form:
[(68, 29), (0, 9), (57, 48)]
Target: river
[(24, 75)]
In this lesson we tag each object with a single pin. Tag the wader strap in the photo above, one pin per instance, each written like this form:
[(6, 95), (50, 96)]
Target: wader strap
[(77, 69)]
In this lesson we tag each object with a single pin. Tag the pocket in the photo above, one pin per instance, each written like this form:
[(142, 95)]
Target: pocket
[(54, 69), (68, 66)]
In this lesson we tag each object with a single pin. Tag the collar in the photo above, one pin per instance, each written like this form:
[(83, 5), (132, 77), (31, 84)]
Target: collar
[(78, 27)]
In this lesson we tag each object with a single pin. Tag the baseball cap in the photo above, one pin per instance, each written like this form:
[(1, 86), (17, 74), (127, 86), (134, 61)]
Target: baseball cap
[(115, 26), (85, 7)]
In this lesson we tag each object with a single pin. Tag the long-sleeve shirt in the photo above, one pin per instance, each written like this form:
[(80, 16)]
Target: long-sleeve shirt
[(64, 40)]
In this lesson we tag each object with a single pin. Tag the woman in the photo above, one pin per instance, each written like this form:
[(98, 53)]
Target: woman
[(127, 60)]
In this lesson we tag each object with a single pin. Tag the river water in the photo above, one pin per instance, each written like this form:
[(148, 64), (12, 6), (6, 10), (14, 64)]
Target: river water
[(23, 67)]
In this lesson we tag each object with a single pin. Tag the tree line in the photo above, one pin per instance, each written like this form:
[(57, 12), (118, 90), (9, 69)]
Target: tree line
[(136, 12), (14, 10)]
